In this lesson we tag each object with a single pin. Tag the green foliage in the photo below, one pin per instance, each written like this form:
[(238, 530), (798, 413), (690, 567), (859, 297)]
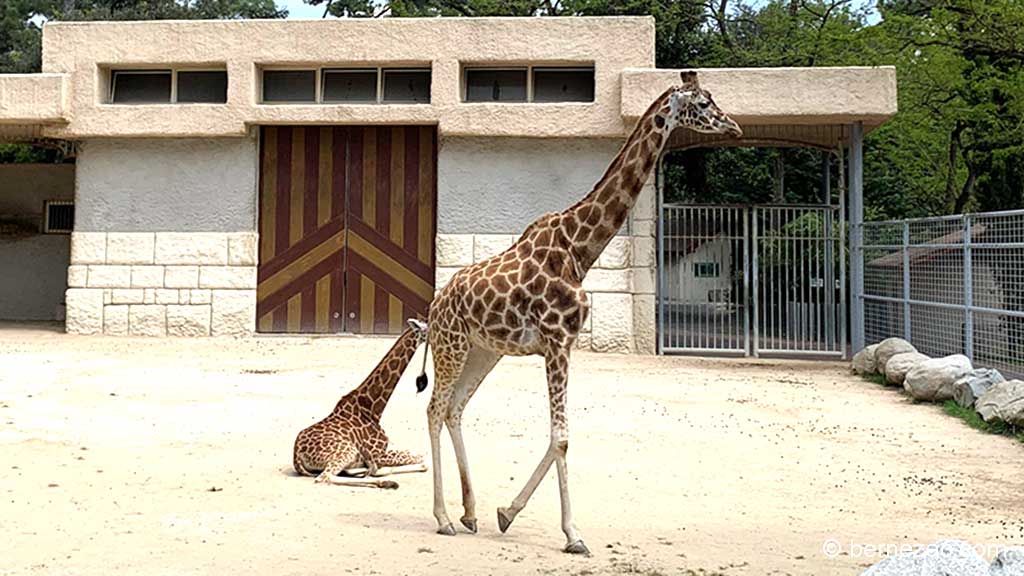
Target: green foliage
[(974, 420)]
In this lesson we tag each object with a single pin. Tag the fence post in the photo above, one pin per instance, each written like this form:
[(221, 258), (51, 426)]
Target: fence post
[(659, 286), (906, 280), (968, 291), (857, 234)]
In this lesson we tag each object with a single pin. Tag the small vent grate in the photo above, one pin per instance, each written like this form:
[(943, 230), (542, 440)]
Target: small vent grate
[(60, 217)]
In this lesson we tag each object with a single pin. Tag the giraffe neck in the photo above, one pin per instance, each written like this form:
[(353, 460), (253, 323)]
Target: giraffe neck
[(373, 394), (601, 213)]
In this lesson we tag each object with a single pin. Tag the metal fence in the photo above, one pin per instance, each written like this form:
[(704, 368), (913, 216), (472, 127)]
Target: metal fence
[(751, 280), (949, 285)]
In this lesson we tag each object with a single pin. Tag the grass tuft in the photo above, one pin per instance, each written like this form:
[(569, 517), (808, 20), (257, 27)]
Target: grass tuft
[(974, 420), (879, 379)]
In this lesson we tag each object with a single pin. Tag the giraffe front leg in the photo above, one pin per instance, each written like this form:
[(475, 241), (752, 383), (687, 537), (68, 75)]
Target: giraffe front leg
[(557, 365)]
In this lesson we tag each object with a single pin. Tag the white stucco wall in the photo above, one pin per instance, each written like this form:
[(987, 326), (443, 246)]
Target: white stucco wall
[(501, 185), (170, 185)]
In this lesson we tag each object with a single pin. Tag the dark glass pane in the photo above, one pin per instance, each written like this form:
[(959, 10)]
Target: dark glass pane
[(205, 86), (141, 87), (289, 86), (496, 86), (407, 86), (553, 85), (350, 85)]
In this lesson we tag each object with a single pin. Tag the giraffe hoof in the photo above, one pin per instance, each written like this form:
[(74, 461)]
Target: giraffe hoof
[(577, 547), (469, 523), (504, 519), (446, 530)]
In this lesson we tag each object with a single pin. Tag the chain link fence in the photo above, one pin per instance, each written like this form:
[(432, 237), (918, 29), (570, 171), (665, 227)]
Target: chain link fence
[(949, 285)]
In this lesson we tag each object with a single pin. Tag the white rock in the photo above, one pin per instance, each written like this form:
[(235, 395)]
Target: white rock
[(974, 384), (115, 320), (943, 558), (84, 311), (864, 361), (110, 276), (454, 250), (88, 247), (612, 322), (1008, 562), (932, 380), (188, 320), (181, 277), (147, 320), (1003, 401), (242, 249), (227, 277), (897, 367), (210, 249), (129, 248), (888, 348), (147, 277), (234, 313)]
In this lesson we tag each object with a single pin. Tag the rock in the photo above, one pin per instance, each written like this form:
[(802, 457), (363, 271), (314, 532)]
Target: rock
[(943, 558), (864, 361), (897, 367), (972, 385), (1003, 401), (888, 348), (932, 380), (1009, 562)]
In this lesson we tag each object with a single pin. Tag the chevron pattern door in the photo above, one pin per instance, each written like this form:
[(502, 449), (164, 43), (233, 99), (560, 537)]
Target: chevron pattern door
[(347, 222)]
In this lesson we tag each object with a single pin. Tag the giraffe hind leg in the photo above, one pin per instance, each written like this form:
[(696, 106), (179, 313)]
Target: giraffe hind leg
[(392, 462)]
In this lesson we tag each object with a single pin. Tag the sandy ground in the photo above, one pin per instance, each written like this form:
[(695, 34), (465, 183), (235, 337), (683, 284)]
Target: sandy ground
[(173, 456)]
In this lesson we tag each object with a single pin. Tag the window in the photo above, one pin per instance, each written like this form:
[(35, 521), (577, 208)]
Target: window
[(289, 86), (706, 270), (349, 86), (140, 87), (168, 86), (59, 217), (411, 86), (563, 84), (488, 85), (203, 86)]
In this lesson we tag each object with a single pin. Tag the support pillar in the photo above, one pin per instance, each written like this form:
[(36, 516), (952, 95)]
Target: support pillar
[(856, 217)]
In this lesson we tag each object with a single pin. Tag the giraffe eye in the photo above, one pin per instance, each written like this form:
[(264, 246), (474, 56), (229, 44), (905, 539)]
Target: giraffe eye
[(704, 104)]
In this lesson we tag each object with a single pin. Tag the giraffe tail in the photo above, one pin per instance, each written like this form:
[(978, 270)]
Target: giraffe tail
[(421, 380)]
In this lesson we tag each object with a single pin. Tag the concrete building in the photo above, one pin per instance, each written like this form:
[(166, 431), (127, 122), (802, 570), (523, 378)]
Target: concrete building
[(235, 177)]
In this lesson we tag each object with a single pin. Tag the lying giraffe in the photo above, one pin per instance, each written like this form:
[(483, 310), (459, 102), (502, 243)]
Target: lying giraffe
[(351, 439)]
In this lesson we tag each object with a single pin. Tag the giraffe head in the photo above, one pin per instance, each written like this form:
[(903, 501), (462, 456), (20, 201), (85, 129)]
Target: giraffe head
[(419, 329), (691, 106)]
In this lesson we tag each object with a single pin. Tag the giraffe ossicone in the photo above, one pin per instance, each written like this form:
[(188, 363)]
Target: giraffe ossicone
[(350, 440), (530, 300)]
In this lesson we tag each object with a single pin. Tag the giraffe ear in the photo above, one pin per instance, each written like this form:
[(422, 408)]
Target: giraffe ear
[(689, 78)]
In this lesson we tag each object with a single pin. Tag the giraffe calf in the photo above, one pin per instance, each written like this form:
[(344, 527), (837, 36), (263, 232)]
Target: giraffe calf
[(351, 439)]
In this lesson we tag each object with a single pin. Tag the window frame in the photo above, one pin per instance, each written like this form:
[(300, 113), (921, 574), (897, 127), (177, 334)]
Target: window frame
[(47, 228), (320, 71), (591, 69), (173, 71), (530, 68), (716, 269)]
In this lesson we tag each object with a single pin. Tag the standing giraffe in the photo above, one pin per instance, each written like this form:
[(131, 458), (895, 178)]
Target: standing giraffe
[(351, 439), (529, 300)]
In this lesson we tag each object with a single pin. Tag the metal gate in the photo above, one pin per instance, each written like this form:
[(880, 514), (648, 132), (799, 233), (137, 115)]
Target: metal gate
[(751, 280)]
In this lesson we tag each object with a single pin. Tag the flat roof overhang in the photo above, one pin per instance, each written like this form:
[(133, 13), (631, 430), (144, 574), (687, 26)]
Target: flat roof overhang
[(812, 107), (29, 103)]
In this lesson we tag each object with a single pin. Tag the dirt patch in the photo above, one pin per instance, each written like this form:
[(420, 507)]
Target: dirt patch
[(172, 456)]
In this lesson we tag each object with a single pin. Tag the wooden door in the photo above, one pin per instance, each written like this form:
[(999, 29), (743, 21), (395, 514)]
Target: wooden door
[(346, 228)]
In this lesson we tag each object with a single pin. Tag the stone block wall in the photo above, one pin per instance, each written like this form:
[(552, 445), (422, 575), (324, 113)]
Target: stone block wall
[(620, 286), (162, 284)]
